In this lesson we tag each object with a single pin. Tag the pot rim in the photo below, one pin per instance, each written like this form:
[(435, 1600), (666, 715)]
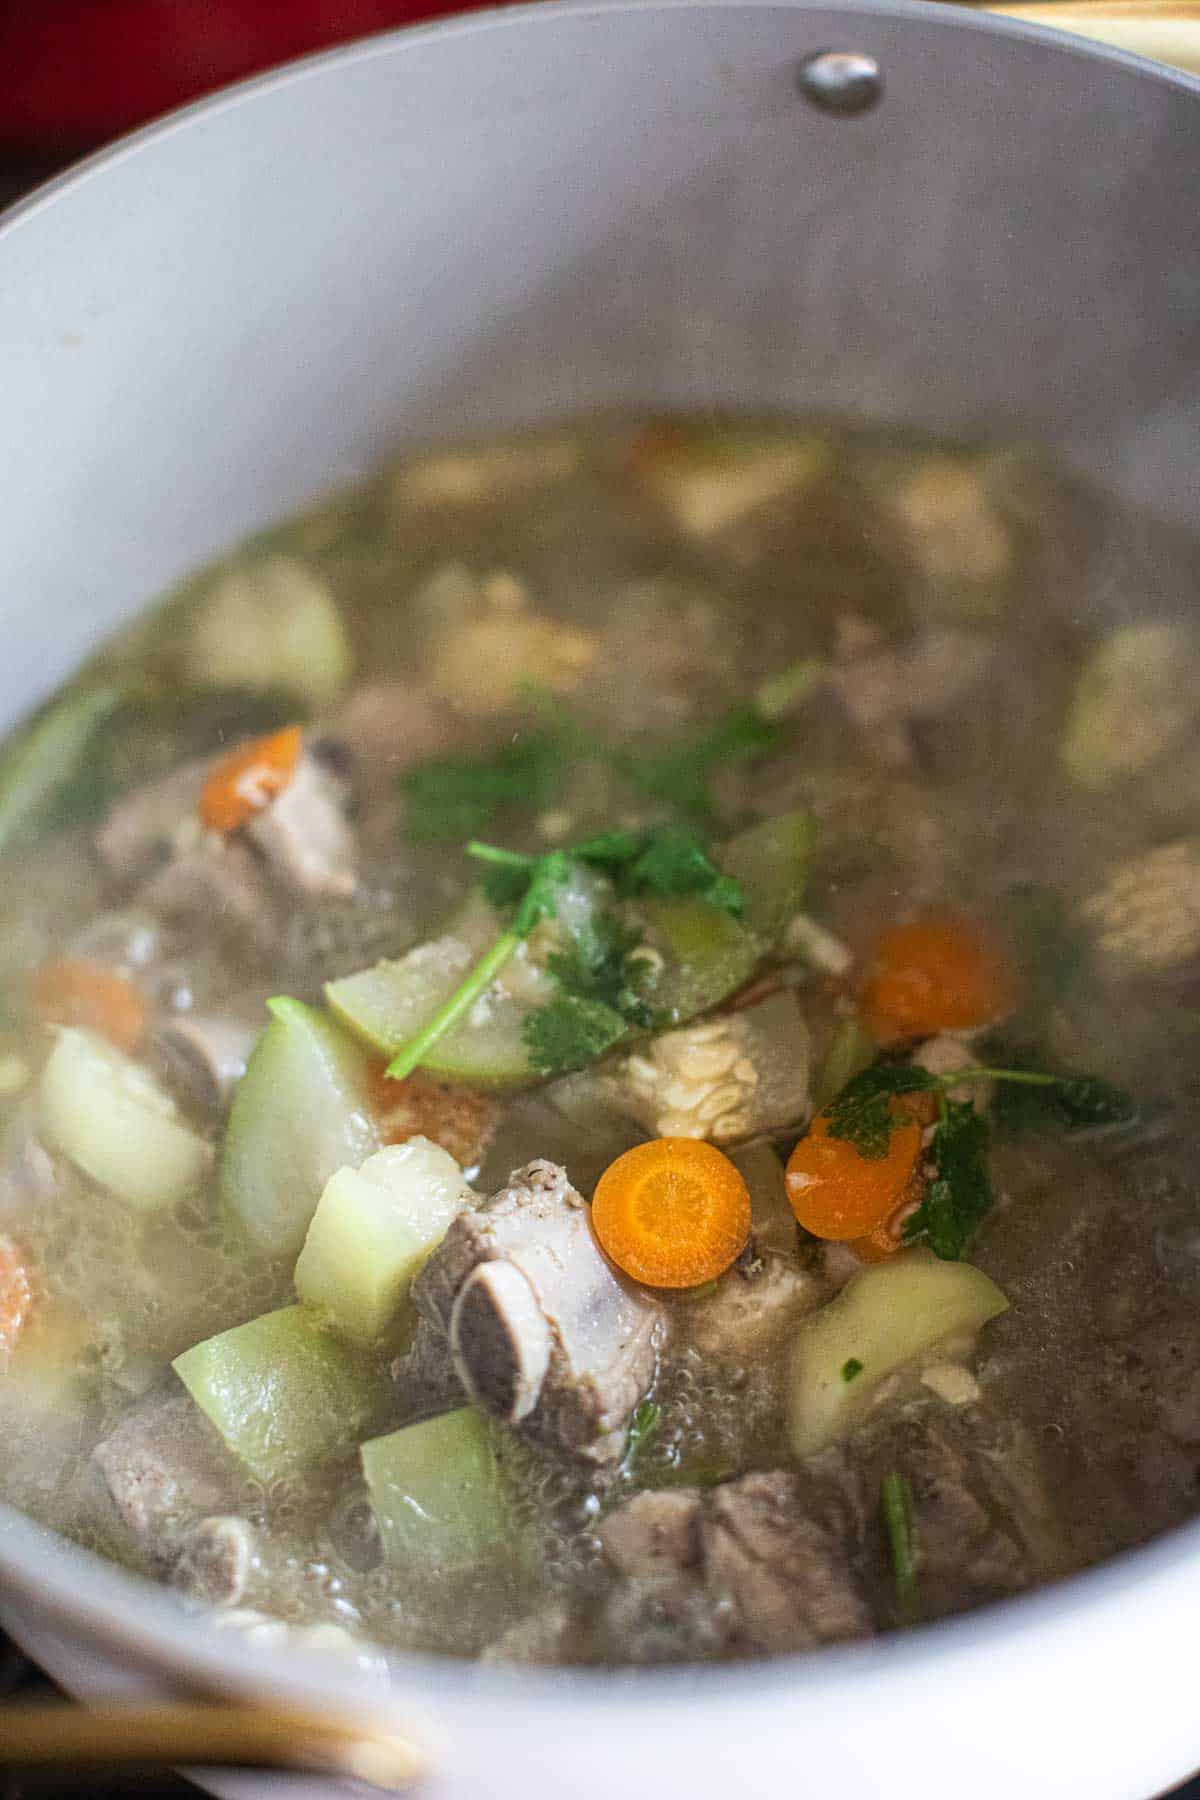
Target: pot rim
[(79, 1589)]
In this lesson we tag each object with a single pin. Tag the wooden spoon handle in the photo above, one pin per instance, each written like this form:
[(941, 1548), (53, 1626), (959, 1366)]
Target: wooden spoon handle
[(1165, 30), (168, 1734)]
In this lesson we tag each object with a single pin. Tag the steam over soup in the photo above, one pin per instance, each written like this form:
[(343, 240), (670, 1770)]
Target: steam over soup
[(600, 1051)]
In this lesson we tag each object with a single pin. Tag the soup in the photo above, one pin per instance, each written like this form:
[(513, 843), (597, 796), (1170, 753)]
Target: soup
[(600, 1049)]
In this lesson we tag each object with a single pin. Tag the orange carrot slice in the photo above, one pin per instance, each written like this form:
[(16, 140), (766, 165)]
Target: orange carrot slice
[(70, 990), (673, 1213), (941, 972), (248, 779), (836, 1193)]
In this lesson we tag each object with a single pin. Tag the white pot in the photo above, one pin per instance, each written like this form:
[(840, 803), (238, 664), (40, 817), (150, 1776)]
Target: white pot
[(519, 214)]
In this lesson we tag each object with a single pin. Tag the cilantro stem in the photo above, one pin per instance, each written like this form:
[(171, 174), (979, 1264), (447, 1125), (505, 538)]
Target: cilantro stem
[(1026, 1076), (414, 1052), (897, 1501), (781, 692), (492, 853)]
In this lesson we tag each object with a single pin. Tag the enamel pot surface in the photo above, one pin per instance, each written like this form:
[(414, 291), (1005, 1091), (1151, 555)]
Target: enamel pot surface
[(962, 224)]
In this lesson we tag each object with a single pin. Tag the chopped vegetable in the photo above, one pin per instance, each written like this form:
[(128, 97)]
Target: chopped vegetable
[(300, 1113), (482, 662), (272, 623), (837, 1192), (47, 756), (896, 1501), (1132, 701), (459, 796), (708, 956), (850, 1050), (850, 1368), (672, 1213), (941, 972), (248, 779), (882, 1319), (283, 1392), (438, 1494), (16, 1296), (70, 990), (710, 476), (373, 1228), (771, 863), (111, 1118), (388, 1005)]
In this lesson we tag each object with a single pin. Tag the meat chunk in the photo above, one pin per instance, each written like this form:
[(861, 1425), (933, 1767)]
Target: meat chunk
[(201, 1060), (552, 1635), (539, 1329), (761, 1565), (386, 725), (885, 689), (425, 1375), (752, 1309), (984, 1522), (786, 1572), (304, 833), (165, 1468), (219, 886), (214, 1561), (153, 824), (654, 1534)]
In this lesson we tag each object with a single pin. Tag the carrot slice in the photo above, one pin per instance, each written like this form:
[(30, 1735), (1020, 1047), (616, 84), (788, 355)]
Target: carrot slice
[(885, 1239), (70, 990), (836, 1193), (16, 1294), (673, 1213), (941, 972), (248, 779)]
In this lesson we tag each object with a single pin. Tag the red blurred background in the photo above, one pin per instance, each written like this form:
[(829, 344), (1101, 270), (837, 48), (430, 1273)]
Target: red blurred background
[(75, 72)]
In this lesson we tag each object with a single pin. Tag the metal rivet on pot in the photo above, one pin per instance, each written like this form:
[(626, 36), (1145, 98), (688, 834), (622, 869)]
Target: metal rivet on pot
[(841, 81)]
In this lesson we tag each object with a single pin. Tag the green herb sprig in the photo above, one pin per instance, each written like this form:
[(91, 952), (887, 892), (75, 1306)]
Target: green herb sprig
[(959, 1194), (458, 796), (899, 1523), (599, 998)]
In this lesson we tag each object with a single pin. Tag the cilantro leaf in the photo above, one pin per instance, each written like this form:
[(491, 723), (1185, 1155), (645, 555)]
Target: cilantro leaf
[(570, 1032), (960, 1194), (678, 773), (457, 796), (1056, 1102), (674, 861), (1088, 1100), (862, 1114), (595, 968)]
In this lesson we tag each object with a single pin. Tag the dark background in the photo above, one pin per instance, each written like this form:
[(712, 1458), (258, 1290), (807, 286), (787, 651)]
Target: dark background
[(74, 73)]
